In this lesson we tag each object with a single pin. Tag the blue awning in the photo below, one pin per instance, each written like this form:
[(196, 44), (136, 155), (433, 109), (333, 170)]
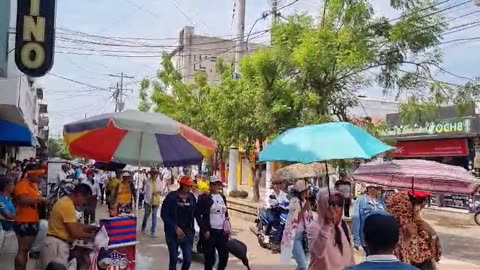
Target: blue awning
[(15, 134)]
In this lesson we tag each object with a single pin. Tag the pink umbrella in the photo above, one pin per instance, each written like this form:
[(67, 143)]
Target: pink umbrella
[(419, 174)]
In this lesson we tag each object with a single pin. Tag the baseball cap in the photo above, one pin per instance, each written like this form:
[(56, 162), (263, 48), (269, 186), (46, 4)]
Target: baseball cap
[(125, 174), (186, 181), (215, 179), (419, 194)]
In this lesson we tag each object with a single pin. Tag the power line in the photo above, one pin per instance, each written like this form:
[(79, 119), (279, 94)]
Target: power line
[(78, 82), (460, 39)]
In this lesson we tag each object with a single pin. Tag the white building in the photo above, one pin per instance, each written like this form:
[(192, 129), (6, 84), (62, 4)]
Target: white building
[(196, 53), (22, 104), (376, 109)]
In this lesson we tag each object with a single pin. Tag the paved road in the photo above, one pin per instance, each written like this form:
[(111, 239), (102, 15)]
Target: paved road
[(459, 243)]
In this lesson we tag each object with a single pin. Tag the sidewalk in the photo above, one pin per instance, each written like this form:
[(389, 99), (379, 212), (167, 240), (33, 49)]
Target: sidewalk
[(460, 217)]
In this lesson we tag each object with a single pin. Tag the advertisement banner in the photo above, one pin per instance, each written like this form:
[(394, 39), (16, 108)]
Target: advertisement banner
[(4, 27), (432, 148)]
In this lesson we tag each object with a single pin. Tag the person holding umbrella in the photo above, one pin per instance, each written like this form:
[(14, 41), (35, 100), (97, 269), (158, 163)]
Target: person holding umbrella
[(153, 189), (329, 236), (418, 244), (179, 211)]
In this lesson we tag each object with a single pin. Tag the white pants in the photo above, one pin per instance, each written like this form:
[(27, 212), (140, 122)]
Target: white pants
[(54, 250)]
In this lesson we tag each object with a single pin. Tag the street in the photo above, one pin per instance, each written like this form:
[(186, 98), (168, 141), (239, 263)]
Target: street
[(459, 244)]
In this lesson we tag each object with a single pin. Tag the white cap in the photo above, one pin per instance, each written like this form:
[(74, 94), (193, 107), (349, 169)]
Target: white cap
[(125, 174)]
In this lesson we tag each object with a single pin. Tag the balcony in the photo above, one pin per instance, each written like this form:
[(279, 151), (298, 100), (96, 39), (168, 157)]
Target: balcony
[(43, 133), (43, 108), (40, 93), (43, 121)]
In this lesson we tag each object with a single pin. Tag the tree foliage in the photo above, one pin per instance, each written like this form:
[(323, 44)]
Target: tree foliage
[(311, 73), (58, 148)]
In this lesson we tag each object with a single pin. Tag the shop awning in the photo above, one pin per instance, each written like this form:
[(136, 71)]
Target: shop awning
[(15, 134), (432, 148)]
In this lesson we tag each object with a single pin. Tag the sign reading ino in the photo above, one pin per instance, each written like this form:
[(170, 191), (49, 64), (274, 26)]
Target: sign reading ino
[(35, 36)]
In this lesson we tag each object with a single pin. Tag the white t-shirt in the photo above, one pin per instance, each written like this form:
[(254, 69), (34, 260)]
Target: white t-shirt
[(217, 212), (346, 189), (95, 186), (101, 178), (61, 176), (166, 174), (281, 197)]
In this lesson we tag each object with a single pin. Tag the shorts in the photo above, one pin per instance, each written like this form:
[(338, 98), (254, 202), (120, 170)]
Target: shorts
[(26, 229)]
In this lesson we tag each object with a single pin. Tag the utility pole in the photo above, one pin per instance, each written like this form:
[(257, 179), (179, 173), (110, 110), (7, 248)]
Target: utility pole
[(118, 94), (239, 46), (234, 155), (274, 12)]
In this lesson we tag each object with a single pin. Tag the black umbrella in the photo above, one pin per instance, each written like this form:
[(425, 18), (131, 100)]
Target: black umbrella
[(110, 166)]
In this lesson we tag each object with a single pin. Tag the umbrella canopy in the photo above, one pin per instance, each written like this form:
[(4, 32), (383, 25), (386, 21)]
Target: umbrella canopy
[(109, 166), (137, 138), (329, 141), (299, 170), (426, 175)]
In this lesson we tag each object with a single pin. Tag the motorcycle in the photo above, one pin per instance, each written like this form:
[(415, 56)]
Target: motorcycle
[(276, 232), (476, 210)]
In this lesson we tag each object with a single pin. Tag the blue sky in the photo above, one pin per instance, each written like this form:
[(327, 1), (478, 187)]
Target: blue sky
[(163, 19)]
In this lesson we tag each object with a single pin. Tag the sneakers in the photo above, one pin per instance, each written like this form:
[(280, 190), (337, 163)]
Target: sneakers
[(154, 235)]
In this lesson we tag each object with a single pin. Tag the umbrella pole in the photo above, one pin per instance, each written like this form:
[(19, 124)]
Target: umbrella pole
[(138, 178), (413, 184), (327, 177)]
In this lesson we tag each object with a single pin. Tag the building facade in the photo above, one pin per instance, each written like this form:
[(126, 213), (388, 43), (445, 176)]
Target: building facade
[(197, 53), (453, 138), (23, 111)]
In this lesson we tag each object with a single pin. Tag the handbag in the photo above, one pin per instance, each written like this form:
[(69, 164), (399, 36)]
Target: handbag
[(227, 226)]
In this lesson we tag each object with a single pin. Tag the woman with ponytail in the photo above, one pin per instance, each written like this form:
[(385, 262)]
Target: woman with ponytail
[(329, 236)]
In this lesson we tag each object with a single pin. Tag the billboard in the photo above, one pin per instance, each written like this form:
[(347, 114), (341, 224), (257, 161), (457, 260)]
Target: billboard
[(4, 27), (35, 36)]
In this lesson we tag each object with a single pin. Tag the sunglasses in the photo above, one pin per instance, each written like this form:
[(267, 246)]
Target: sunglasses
[(335, 204)]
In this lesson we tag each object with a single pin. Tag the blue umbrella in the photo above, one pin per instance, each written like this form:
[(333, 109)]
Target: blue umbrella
[(338, 140)]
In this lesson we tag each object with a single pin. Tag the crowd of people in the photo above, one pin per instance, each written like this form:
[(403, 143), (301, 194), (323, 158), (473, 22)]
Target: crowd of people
[(388, 229)]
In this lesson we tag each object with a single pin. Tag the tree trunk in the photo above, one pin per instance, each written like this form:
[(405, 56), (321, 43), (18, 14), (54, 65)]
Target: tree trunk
[(257, 175)]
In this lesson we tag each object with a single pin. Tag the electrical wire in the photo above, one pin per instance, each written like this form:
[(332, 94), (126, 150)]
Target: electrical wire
[(78, 82)]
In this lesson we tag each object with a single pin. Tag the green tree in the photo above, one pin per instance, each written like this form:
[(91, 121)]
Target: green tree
[(58, 148), (350, 49)]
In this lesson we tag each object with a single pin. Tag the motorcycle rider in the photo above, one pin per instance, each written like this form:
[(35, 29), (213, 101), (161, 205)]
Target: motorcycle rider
[(276, 197)]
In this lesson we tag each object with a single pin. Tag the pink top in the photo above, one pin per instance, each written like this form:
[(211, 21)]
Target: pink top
[(325, 254)]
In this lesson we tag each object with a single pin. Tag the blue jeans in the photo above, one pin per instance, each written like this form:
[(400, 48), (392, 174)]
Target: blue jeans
[(299, 252), (149, 210), (186, 245)]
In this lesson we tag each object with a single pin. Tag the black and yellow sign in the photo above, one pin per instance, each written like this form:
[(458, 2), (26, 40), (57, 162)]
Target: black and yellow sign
[(35, 36)]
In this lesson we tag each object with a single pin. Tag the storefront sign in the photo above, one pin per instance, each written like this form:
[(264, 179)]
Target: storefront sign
[(432, 148), (35, 36), (456, 201), (4, 29), (431, 128)]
